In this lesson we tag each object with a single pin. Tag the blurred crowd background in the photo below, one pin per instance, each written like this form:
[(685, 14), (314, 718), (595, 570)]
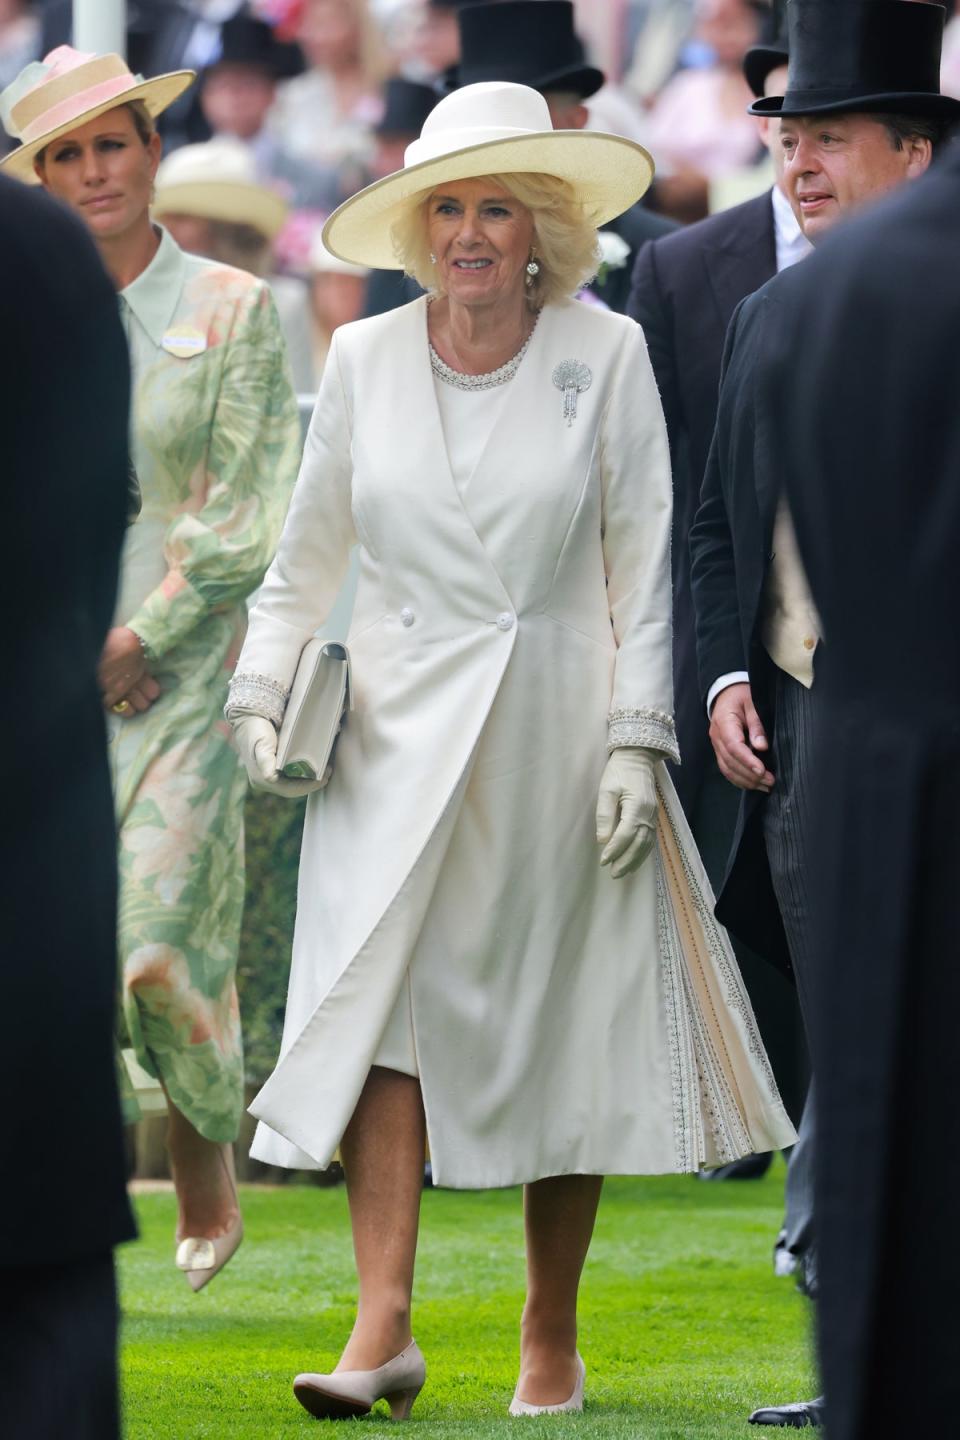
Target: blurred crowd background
[(309, 100)]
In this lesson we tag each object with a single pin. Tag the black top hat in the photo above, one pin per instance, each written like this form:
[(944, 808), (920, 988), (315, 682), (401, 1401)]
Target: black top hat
[(246, 41), (407, 106), (862, 55), (530, 42), (772, 50)]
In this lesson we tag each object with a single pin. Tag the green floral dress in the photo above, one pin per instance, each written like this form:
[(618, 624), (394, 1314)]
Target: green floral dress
[(216, 444)]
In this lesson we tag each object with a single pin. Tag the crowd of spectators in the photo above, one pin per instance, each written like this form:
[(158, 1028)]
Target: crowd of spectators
[(324, 95)]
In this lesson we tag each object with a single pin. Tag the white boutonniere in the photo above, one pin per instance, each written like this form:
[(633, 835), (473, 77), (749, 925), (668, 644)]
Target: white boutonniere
[(614, 253)]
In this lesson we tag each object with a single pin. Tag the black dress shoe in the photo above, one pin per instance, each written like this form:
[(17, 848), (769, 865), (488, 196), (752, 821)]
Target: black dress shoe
[(807, 1412), (751, 1167)]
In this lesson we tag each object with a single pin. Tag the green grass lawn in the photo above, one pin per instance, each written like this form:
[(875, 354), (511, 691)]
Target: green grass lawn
[(683, 1327)]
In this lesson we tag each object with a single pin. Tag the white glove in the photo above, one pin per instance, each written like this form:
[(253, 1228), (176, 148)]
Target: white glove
[(257, 743), (628, 788)]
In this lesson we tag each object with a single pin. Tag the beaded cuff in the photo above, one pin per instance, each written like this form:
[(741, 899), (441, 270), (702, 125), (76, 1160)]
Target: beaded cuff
[(251, 694), (148, 651), (651, 729)]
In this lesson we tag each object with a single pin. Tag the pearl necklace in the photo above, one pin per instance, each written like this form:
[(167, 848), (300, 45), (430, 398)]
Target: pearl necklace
[(488, 381)]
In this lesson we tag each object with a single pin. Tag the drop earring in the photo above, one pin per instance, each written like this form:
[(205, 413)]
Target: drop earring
[(533, 270), (433, 258)]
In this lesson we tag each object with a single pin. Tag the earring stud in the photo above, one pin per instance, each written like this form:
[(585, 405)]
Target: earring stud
[(433, 258)]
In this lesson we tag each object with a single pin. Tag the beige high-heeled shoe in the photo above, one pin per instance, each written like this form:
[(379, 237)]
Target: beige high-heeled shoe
[(349, 1393), (575, 1403), (201, 1259)]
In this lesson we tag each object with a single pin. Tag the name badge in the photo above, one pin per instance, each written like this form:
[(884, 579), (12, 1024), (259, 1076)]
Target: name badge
[(184, 341)]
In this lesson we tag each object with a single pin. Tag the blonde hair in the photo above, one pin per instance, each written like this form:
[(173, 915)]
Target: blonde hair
[(565, 239)]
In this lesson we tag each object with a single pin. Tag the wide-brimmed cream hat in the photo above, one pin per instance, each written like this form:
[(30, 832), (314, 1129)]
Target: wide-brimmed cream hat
[(217, 180), (323, 262), (493, 128), (51, 97)]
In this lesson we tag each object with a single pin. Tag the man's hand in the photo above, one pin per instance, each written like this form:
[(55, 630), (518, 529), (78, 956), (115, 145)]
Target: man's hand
[(736, 734)]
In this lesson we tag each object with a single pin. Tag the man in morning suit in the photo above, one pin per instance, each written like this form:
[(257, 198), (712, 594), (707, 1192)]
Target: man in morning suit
[(533, 42), (862, 115), (686, 287), (64, 399), (866, 381)]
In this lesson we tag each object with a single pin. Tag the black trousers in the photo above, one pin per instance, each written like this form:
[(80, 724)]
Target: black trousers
[(786, 829), (58, 1351)]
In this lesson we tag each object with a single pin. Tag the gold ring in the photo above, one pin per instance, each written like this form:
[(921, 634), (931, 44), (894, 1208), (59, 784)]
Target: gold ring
[(122, 707)]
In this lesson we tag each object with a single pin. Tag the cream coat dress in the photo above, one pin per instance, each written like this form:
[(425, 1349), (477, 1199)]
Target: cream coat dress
[(507, 630)]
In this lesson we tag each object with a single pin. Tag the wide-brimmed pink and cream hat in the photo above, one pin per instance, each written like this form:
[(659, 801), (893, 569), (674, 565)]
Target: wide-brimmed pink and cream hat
[(51, 97)]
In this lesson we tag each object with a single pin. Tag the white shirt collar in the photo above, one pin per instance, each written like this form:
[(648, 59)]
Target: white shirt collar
[(792, 244)]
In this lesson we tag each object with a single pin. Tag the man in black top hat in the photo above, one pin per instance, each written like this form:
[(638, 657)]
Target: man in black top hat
[(239, 84), (407, 105), (686, 287), (533, 42), (861, 115), (237, 90), (64, 415), (866, 375), (436, 39)]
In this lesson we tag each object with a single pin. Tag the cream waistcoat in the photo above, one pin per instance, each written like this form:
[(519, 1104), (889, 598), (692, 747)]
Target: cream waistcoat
[(791, 627)]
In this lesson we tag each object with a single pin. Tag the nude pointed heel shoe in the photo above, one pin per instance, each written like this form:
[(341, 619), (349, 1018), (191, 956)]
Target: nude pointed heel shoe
[(574, 1404), (201, 1259), (349, 1393)]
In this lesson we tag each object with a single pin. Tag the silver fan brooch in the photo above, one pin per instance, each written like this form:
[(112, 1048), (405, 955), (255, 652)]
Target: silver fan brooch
[(572, 377)]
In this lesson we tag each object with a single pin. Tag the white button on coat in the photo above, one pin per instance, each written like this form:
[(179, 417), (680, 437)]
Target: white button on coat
[(406, 616), (505, 621)]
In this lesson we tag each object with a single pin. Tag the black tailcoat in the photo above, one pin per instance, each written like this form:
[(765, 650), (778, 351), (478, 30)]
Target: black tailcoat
[(686, 287), (730, 557), (64, 401), (865, 382)]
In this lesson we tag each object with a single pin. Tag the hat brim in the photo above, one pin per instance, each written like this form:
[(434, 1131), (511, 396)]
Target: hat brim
[(156, 95), (608, 173), (581, 80), (759, 61), (231, 201), (907, 102)]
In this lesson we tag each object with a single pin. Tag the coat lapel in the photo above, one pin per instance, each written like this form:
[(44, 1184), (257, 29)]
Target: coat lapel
[(480, 498), (745, 260), (449, 512)]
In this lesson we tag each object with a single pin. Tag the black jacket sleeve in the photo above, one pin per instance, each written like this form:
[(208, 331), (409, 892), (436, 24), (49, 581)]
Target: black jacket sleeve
[(720, 646)]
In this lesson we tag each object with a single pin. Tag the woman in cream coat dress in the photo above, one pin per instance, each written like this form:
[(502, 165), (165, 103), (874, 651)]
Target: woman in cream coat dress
[(464, 964)]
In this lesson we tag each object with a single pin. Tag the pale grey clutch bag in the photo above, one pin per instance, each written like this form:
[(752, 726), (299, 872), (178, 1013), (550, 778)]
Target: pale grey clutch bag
[(320, 698)]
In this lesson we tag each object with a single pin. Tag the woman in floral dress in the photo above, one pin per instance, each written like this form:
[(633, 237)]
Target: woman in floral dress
[(215, 445)]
